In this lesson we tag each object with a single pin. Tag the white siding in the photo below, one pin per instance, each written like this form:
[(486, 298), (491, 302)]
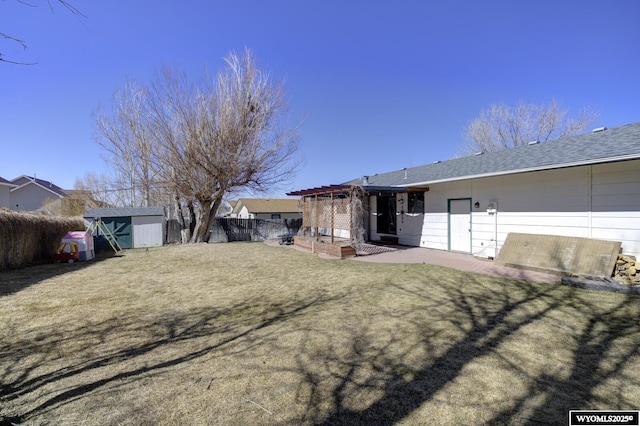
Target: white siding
[(30, 197), (244, 213), (616, 204), (148, 231), (5, 200), (600, 201)]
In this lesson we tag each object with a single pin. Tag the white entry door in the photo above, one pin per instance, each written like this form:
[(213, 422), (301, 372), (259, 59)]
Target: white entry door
[(460, 225)]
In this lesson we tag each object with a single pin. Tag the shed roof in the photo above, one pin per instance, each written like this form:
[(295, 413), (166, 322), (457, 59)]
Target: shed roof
[(124, 211), (610, 145)]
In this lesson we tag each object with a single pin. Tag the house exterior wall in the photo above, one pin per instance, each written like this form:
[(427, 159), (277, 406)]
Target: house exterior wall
[(30, 197), (282, 215), (148, 231), (244, 213), (5, 198), (435, 228), (598, 201), (615, 195)]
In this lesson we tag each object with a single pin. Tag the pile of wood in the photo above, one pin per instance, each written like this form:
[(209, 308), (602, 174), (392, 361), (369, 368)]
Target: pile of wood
[(627, 271)]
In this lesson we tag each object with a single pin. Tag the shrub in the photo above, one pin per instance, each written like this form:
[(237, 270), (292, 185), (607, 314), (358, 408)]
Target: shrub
[(27, 237)]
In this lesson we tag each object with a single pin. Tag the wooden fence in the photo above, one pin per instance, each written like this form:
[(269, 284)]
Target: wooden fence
[(233, 229)]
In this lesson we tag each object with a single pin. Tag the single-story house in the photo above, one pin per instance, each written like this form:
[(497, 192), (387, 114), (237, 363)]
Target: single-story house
[(580, 186), (29, 193), (133, 227), (5, 193), (266, 208)]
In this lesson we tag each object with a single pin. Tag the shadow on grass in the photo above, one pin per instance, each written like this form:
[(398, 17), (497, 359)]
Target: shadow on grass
[(483, 321), (166, 330), (451, 325), (15, 280)]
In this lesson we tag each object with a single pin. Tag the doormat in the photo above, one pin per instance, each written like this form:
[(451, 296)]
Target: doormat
[(365, 249), (561, 255)]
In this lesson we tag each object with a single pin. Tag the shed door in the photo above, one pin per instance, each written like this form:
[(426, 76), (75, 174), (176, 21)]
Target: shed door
[(147, 231), (120, 227), (460, 225)]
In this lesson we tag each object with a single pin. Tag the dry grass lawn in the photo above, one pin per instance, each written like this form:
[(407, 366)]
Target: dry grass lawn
[(245, 333)]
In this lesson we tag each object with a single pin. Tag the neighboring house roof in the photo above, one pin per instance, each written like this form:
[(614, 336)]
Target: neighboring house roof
[(5, 182), (28, 180), (124, 211), (267, 205), (603, 146)]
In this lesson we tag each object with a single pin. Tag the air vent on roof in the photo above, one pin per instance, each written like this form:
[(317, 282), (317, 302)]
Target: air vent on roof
[(599, 129), (479, 153), (534, 142), (437, 162), (405, 172), (365, 180)]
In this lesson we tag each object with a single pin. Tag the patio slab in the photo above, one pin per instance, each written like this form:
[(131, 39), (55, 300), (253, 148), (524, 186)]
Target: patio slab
[(459, 261)]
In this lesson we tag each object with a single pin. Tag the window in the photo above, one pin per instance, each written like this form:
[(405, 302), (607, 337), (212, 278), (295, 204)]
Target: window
[(275, 216), (416, 202)]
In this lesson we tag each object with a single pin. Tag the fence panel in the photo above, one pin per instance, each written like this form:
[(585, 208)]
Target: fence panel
[(234, 229)]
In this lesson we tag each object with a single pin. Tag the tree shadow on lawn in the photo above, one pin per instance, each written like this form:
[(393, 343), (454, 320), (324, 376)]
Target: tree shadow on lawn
[(18, 381), (15, 280), (485, 322), (374, 373)]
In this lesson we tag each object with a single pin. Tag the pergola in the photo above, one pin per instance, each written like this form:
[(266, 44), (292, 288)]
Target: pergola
[(329, 211), (337, 215)]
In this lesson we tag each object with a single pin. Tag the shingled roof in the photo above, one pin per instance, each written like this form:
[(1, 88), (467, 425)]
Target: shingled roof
[(124, 211), (3, 181), (48, 185), (608, 145), (268, 205)]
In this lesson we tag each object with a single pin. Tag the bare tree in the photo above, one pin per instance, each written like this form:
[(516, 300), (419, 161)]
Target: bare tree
[(222, 135), (126, 135), (502, 126), (21, 42), (103, 190), (205, 140)]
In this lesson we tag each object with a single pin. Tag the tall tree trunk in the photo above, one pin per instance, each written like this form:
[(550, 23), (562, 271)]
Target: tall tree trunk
[(205, 216), (212, 216)]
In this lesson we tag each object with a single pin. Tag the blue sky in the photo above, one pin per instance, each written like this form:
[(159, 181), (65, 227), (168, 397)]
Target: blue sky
[(381, 85)]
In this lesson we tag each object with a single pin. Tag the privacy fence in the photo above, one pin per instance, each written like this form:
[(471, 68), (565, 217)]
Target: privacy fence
[(233, 229)]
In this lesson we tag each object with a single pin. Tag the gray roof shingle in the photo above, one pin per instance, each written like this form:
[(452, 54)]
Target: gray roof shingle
[(619, 143), (123, 211)]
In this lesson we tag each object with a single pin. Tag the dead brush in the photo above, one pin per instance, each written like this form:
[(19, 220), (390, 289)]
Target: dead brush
[(28, 237)]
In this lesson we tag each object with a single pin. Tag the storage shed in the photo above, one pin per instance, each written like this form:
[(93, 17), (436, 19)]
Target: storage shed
[(133, 227)]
